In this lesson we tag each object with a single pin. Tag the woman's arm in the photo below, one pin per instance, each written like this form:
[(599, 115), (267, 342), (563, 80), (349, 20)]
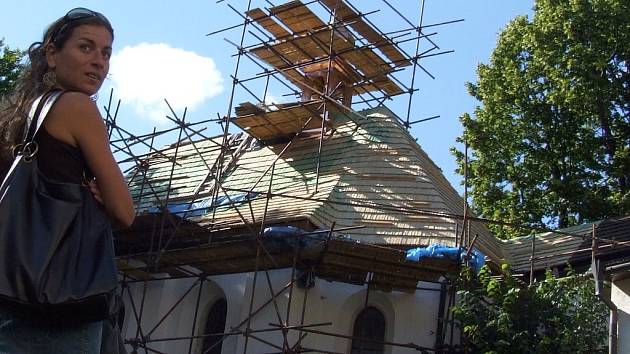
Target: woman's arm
[(75, 119)]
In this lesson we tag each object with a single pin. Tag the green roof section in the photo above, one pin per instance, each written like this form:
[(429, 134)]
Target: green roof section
[(568, 245)]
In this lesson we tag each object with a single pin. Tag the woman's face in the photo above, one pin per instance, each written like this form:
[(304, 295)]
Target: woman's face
[(83, 61)]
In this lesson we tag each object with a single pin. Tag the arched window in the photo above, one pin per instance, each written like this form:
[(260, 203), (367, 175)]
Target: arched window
[(215, 323), (370, 323)]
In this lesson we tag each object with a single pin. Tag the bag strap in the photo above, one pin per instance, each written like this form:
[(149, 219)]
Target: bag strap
[(39, 111)]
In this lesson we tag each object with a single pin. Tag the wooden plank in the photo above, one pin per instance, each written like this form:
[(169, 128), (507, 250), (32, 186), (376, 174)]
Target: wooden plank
[(383, 83), (345, 13), (295, 76), (340, 273), (368, 67), (283, 122), (247, 108), (388, 283), (365, 64), (296, 16), (302, 48), (268, 23)]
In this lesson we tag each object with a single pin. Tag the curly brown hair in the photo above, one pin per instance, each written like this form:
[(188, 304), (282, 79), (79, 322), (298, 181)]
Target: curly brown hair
[(14, 108)]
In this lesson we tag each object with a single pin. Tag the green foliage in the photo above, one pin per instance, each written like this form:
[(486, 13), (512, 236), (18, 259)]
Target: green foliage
[(502, 315), (10, 68), (550, 141)]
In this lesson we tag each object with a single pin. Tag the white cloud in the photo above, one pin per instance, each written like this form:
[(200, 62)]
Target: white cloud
[(271, 100), (145, 74)]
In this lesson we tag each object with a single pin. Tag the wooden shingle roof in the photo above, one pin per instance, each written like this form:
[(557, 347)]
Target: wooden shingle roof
[(372, 175)]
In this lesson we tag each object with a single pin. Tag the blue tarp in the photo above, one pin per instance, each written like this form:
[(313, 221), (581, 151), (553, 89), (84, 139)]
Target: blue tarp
[(286, 237), (204, 206), (282, 237), (476, 261)]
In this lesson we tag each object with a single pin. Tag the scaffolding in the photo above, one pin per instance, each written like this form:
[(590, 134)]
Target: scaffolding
[(330, 66)]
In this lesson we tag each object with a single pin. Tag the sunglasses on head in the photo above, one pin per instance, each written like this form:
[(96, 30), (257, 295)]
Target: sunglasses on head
[(82, 12), (75, 14)]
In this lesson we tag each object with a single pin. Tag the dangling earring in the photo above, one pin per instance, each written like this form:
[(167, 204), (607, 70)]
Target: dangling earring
[(50, 79)]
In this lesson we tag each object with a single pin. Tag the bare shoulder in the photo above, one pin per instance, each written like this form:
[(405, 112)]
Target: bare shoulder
[(73, 116), (75, 105)]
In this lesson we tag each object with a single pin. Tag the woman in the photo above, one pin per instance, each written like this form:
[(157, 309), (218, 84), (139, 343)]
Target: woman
[(73, 57)]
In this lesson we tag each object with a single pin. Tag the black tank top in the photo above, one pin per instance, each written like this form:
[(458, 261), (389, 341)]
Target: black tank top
[(58, 160)]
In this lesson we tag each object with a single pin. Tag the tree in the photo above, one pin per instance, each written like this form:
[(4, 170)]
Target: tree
[(502, 315), (10, 68), (550, 142)]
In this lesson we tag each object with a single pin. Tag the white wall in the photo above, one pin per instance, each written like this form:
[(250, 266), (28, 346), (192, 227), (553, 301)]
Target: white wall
[(409, 317), (621, 297)]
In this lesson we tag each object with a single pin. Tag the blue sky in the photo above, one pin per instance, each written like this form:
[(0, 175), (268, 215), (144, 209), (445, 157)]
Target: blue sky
[(161, 51)]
